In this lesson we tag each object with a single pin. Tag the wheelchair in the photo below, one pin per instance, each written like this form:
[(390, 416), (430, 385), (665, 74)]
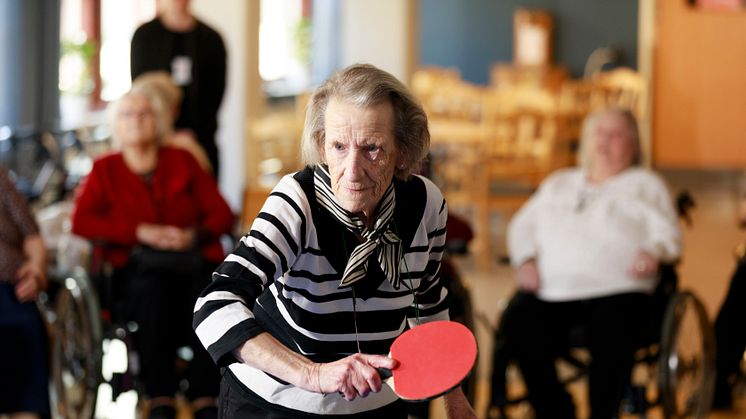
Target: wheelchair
[(93, 344), (71, 310), (673, 369)]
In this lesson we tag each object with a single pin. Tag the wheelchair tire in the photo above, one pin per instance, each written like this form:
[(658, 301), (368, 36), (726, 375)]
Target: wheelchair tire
[(687, 359), (77, 348)]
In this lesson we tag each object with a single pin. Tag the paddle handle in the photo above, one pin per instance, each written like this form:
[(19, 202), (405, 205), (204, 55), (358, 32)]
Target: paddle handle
[(385, 373)]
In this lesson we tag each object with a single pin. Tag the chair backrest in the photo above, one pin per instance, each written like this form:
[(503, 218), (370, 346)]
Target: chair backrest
[(623, 87), (525, 132), (515, 100), (445, 95), (273, 148), (523, 136)]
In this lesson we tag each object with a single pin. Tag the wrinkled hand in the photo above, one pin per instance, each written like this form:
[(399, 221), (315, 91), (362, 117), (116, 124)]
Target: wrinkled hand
[(31, 280), (644, 265), (527, 276), (164, 237), (353, 376)]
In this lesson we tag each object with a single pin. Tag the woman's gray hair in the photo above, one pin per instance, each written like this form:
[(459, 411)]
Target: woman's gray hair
[(160, 81), (589, 125), (363, 85), (163, 121)]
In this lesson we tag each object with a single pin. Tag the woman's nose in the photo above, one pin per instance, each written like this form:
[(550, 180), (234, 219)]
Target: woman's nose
[(353, 163)]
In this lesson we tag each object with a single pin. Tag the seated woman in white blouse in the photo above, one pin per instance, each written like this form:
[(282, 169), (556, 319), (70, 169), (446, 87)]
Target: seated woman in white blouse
[(586, 249)]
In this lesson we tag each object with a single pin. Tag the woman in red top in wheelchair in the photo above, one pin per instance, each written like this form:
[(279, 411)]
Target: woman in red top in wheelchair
[(159, 217), (586, 249)]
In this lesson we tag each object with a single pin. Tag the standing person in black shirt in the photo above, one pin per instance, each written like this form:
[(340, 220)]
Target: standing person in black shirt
[(194, 54)]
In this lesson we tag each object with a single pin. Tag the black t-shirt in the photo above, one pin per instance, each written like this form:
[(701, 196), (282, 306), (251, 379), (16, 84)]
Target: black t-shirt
[(196, 61)]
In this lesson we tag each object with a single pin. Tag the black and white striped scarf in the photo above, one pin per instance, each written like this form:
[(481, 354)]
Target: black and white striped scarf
[(379, 240)]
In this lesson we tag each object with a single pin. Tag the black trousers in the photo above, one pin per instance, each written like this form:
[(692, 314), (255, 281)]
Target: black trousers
[(538, 332), (730, 334), (24, 373), (160, 299)]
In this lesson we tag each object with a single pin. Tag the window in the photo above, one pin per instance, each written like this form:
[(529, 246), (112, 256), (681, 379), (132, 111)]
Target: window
[(94, 52), (119, 19), (285, 46)]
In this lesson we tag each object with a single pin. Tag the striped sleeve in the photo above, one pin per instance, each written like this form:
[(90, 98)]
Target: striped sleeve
[(431, 296), (223, 314)]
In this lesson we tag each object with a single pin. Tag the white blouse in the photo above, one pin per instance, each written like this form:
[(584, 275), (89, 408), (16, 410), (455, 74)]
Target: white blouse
[(585, 236)]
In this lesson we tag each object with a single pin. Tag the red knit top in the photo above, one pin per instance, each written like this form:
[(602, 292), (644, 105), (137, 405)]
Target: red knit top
[(113, 201)]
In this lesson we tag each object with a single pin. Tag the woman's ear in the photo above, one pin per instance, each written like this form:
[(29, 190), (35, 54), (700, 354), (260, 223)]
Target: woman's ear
[(319, 141)]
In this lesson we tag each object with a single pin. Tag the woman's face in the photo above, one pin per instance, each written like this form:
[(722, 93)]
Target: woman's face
[(360, 150), (136, 121), (613, 148)]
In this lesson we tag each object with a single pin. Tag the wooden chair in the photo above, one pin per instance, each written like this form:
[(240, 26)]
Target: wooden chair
[(455, 115), (455, 149), (272, 151), (526, 140), (429, 85), (621, 87), (454, 110), (551, 78)]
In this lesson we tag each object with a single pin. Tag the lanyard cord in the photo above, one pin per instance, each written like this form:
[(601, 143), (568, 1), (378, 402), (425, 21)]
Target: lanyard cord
[(411, 286), (354, 298)]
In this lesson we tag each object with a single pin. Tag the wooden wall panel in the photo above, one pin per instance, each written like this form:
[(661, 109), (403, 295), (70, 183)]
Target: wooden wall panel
[(699, 117)]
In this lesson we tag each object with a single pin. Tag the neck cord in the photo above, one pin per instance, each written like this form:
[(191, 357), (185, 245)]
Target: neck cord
[(411, 286), (354, 298)]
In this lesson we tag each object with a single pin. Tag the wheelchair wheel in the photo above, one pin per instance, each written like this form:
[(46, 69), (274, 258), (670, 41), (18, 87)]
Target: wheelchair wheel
[(76, 351), (687, 359)]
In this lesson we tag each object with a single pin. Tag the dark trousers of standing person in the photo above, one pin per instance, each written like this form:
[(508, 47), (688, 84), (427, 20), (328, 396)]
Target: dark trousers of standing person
[(24, 373), (538, 333), (730, 336), (160, 299)]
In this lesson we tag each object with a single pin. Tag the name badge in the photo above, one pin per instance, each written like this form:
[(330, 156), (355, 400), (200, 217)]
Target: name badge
[(181, 70)]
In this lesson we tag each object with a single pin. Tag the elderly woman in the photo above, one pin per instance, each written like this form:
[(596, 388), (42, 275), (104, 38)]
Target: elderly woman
[(23, 273), (159, 218), (341, 257), (586, 249), (160, 83)]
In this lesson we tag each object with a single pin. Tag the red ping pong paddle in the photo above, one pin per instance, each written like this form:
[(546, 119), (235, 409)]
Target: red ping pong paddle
[(434, 358)]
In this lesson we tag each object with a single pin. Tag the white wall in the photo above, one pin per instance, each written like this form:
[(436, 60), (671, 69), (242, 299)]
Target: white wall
[(229, 17), (376, 32)]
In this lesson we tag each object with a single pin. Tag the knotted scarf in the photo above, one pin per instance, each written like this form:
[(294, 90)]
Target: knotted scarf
[(379, 239)]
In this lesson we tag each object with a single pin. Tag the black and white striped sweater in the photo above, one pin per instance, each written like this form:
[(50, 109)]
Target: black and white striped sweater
[(283, 278)]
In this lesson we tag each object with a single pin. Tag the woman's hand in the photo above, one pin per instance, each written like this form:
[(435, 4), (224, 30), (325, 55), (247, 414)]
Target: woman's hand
[(644, 265), (164, 237), (353, 376), (32, 278), (179, 238), (527, 276)]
